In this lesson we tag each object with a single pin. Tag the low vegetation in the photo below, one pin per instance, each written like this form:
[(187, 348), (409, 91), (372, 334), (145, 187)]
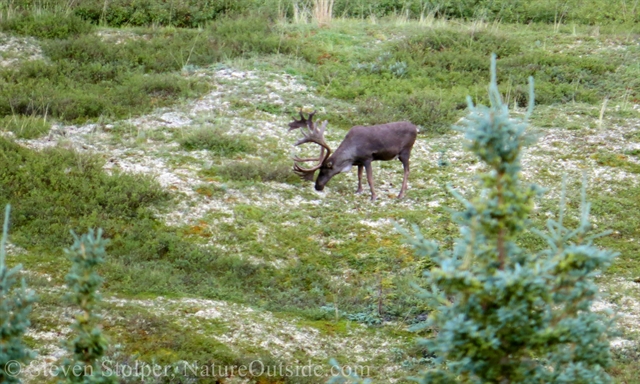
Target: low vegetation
[(215, 141)]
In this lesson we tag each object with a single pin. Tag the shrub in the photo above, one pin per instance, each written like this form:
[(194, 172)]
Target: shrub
[(46, 25), (181, 13), (57, 190)]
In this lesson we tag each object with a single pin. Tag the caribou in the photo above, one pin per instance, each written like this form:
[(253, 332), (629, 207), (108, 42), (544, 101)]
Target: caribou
[(361, 146)]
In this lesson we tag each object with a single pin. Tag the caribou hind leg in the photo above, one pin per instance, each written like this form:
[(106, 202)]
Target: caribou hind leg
[(405, 164), (367, 167)]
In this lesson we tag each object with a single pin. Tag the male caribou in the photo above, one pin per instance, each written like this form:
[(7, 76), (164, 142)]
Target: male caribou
[(361, 146)]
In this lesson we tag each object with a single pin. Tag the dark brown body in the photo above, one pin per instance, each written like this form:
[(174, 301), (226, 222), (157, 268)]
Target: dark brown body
[(364, 144)]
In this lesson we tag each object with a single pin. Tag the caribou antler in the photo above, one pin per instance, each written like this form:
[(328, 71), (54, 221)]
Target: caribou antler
[(302, 122), (314, 134)]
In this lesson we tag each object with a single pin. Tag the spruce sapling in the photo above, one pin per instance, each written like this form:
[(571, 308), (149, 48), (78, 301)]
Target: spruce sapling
[(502, 313), (89, 345), (15, 307)]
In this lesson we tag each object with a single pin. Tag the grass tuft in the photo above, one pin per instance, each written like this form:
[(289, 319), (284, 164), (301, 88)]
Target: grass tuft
[(25, 127)]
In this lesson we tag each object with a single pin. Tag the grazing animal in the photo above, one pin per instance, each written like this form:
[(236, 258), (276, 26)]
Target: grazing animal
[(360, 147)]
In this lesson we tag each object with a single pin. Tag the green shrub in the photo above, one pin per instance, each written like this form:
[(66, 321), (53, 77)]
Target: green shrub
[(181, 13), (216, 141), (88, 77), (57, 190), (46, 25), (250, 34), (87, 92), (25, 127)]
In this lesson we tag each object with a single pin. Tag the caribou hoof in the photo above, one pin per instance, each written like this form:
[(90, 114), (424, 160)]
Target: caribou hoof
[(359, 191)]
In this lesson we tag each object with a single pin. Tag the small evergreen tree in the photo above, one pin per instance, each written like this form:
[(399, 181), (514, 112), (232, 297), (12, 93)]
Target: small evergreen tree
[(503, 314), (89, 345), (15, 306)]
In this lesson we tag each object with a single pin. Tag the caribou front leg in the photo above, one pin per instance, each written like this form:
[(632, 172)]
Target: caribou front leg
[(359, 179)]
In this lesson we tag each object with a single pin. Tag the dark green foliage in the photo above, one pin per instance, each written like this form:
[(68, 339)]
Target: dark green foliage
[(46, 25), (503, 314), (89, 345), (521, 11), (15, 307), (122, 13), (57, 190), (216, 142), (181, 13), (88, 77)]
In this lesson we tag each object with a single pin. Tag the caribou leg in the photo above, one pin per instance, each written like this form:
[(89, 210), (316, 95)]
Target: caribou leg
[(367, 167), (359, 179), (405, 164)]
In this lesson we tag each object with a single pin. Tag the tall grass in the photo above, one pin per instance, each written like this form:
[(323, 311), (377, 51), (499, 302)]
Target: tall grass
[(300, 12), (323, 11)]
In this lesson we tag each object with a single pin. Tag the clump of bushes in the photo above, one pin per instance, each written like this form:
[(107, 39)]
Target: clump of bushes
[(56, 190), (86, 78), (47, 25)]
